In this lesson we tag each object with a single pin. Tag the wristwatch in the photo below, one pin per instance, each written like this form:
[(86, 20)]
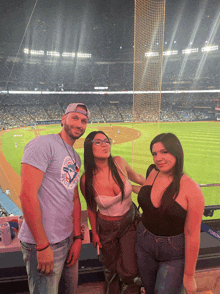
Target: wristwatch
[(78, 237)]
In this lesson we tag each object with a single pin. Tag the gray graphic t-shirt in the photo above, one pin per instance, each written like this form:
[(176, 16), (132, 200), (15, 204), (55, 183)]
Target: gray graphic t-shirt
[(61, 175)]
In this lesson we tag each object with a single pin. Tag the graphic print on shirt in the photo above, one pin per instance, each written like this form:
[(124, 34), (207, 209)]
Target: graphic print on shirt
[(69, 173)]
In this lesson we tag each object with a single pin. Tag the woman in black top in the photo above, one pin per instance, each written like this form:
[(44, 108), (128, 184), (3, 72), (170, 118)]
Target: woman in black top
[(168, 237)]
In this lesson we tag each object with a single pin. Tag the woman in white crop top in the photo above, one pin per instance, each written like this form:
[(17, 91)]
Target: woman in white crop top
[(105, 184)]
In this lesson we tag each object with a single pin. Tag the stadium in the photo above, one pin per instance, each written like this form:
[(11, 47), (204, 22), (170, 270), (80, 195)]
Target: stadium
[(140, 74)]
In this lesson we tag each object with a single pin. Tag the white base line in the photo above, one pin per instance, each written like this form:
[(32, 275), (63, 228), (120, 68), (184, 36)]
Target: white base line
[(209, 185), (109, 93)]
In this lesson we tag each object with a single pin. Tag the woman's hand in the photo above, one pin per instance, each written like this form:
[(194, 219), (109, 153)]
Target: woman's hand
[(189, 283), (96, 240)]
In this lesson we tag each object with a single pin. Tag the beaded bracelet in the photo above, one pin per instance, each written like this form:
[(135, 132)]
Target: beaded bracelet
[(42, 247), (81, 237)]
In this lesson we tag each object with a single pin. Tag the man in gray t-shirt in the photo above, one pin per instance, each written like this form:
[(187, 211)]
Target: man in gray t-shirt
[(51, 232)]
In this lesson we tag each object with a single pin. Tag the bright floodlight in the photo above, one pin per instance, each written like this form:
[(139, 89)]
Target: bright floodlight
[(53, 53), (100, 88), (151, 54), (209, 48), (84, 55), (170, 52), (37, 52), (26, 50), (68, 54), (190, 50)]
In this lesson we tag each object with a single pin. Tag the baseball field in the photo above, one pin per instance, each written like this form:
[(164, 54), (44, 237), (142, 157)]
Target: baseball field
[(200, 141)]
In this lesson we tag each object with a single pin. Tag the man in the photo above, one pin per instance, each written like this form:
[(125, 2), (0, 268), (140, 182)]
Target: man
[(51, 232), (7, 192)]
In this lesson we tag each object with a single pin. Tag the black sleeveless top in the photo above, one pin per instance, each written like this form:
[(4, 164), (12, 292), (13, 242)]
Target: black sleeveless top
[(170, 223)]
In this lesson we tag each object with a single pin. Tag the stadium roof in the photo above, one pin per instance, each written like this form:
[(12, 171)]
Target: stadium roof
[(99, 26)]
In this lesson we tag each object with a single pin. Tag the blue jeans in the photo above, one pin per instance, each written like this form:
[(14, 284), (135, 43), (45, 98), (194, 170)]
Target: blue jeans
[(49, 284), (160, 261)]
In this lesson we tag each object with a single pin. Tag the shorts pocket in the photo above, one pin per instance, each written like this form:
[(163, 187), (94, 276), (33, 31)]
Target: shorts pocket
[(26, 246), (59, 244), (141, 230), (27, 251)]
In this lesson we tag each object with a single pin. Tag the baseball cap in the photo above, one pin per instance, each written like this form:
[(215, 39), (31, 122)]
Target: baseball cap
[(73, 108)]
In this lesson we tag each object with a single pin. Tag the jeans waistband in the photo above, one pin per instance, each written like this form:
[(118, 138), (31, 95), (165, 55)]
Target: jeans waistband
[(161, 237)]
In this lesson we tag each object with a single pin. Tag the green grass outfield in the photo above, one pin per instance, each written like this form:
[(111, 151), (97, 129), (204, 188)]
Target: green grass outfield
[(200, 141)]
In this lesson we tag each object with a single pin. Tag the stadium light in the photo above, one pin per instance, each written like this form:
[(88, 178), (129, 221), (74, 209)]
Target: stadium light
[(100, 88), (190, 50), (37, 52), (209, 48), (53, 53), (151, 54), (26, 50), (84, 55), (68, 54), (170, 52)]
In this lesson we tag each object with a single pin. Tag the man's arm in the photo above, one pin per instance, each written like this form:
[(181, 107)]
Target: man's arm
[(76, 213), (75, 250), (31, 179)]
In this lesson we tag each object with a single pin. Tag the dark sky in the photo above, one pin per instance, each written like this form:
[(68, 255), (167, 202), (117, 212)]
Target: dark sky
[(85, 22)]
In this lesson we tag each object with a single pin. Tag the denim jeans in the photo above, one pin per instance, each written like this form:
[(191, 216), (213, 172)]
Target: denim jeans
[(117, 254), (160, 261), (49, 284)]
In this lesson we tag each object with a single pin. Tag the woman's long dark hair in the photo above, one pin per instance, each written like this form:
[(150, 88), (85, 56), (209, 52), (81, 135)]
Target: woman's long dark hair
[(173, 146), (90, 168)]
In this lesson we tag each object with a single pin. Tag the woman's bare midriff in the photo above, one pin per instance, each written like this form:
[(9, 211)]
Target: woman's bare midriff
[(111, 218)]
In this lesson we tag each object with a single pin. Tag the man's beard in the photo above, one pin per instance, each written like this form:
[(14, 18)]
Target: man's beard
[(68, 129)]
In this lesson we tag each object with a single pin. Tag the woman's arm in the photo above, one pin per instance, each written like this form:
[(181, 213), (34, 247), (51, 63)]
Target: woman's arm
[(92, 220), (131, 174), (195, 210), (136, 189), (91, 215), (150, 171), (74, 252)]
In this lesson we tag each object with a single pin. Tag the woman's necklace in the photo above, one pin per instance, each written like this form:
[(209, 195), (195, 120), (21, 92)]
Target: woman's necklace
[(76, 167)]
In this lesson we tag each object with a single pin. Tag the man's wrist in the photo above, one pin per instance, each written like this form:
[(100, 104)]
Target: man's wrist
[(41, 248)]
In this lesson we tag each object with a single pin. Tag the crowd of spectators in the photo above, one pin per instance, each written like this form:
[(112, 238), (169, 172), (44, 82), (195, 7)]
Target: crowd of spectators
[(18, 110), (3, 212), (183, 73)]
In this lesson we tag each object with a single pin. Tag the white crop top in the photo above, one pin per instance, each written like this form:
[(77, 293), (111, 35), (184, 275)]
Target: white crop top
[(112, 205)]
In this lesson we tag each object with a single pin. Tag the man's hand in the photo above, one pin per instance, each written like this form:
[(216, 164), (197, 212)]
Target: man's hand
[(74, 253), (45, 260)]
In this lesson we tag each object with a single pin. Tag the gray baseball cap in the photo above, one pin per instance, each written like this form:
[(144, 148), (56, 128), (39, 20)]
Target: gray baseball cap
[(73, 108)]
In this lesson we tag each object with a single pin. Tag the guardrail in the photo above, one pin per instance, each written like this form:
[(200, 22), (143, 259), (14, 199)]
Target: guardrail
[(209, 209)]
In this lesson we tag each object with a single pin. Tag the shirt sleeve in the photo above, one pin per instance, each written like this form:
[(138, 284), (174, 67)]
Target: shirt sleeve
[(38, 153)]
